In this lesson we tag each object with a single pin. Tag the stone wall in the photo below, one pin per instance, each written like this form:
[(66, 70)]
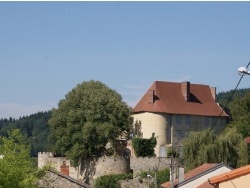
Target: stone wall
[(89, 168), (141, 164), (93, 168)]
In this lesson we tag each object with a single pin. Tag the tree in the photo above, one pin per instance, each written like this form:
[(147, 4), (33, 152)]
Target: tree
[(206, 147), (241, 114), (16, 167), (90, 116), (144, 147)]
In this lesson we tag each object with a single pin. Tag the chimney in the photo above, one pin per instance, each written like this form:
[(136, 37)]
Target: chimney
[(213, 91), (151, 94), (64, 169), (185, 90), (181, 174)]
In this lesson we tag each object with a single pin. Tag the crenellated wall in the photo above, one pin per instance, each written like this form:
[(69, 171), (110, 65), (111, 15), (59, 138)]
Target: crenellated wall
[(90, 168), (95, 167)]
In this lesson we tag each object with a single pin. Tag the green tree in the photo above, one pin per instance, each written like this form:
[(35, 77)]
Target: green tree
[(111, 181), (241, 108), (144, 147), (241, 114), (90, 116), (206, 147), (16, 167)]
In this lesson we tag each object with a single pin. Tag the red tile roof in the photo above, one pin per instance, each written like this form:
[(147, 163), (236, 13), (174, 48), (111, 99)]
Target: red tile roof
[(201, 169), (230, 175), (169, 99)]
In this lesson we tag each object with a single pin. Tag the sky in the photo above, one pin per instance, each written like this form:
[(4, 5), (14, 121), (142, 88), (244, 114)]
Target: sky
[(47, 48)]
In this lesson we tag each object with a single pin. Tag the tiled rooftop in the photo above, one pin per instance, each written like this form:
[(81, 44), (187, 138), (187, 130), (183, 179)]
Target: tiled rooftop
[(201, 169), (230, 175), (168, 98)]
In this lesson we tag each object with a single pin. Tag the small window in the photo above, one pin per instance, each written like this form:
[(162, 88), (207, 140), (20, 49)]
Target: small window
[(178, 134), (187, 133), (222, 122), (169, 119), (188, 120), (163, 151), (178, 119), (206, 121), (214, 120)]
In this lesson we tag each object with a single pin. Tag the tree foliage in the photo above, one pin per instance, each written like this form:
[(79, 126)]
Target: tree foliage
[(111, 181), (206, 147), (144, 147), (90, 116), (34, 127), (161, 175), (16, 167)]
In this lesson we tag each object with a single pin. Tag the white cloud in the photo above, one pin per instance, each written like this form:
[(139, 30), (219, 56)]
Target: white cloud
[(18, 110)]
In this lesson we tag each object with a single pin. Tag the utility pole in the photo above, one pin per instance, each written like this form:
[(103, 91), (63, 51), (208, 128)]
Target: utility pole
[(171, 172), (155, 169)]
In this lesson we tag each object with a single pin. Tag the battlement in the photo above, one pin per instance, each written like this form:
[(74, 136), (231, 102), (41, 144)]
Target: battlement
[(45, 155)]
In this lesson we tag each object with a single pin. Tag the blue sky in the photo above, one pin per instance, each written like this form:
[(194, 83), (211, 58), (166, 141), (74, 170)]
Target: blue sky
[(47, 48)]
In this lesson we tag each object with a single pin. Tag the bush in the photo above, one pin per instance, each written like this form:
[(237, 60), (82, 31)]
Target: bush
[(162, 176), (111, 181), (144, 147)]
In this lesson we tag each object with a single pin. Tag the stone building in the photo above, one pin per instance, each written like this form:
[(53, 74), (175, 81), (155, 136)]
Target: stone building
[(171, 110)]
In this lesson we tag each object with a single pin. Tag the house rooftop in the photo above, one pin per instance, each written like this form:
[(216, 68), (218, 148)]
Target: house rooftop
[(195, 173), (230, 175), (180, 98)]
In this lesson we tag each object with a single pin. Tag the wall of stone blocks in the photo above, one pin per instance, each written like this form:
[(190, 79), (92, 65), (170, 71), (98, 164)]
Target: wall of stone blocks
[(142, 164)]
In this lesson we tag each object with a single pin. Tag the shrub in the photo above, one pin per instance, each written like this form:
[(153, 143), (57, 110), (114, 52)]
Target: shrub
[(111, 181), (144, 147)]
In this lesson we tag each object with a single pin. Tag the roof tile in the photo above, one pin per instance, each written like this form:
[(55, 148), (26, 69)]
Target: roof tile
[(192, 173), (230, 175), (168, 98)]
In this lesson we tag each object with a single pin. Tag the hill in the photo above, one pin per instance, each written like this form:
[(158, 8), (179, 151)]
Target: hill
[(34, 126)]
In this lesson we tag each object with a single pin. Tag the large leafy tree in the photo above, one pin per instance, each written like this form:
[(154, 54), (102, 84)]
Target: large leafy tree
[(16, 167), (206, 147), (241, 114), (90, 116)]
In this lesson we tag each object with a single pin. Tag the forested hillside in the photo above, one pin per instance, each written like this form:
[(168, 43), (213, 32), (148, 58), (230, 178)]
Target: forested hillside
[(224, 97), (35, 126)]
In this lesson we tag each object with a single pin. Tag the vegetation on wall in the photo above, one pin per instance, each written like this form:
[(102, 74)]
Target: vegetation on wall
[(161, 175), (144, 147), (111, 181), (90, 116)]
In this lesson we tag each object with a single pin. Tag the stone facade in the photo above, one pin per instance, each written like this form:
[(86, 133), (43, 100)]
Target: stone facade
[(142, 164), (89, 168), (170, 129), (94, 168)]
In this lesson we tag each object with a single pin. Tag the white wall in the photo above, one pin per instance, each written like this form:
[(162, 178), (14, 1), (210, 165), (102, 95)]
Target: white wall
[(204, 178)]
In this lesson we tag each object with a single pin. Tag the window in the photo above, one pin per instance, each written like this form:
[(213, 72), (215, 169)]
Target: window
[(222, 122), (178, 134), (169, 119), (214, 120), (206, 121), (188, 120), (178, 119), (163, 151)]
